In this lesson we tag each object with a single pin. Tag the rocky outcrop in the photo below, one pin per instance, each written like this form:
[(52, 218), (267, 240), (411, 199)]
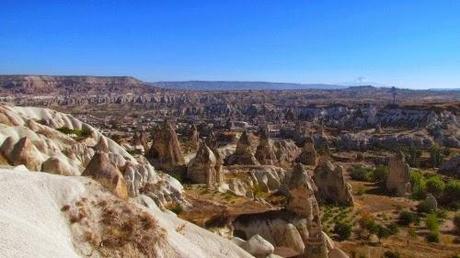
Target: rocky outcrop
[(102, 170), (194, 138), (23, 152), (398, 180), (308, 155), (302, 191), (287, 232), (264, 152), (250, 180), (243, 154), (55, 165), (331, 183), (139, 142), (202, 168), (451, 167), (286, 151), (302, 201), (165, 152)]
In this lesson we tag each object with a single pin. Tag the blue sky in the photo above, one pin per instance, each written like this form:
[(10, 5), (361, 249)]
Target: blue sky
[(407, 43)]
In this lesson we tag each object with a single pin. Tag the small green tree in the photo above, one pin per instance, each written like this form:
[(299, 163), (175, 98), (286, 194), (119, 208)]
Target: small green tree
[(436, 156), (343, 230), (435, 185), (432, 222), (418, 185), (406, 218)]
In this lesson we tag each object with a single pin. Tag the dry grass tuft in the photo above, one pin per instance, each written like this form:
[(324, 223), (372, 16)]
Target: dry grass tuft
[(116, 228)]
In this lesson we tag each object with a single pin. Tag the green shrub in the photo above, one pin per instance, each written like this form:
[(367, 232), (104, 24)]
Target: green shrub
[(436, 156), (433, 237), (361, 173), (418, 183), (451, 194), (435, 185), (406, 218), (343, 230), (380, 173), (432, 222), (81, 133)]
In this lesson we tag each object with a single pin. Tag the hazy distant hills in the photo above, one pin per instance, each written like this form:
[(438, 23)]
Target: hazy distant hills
[(240, 85)]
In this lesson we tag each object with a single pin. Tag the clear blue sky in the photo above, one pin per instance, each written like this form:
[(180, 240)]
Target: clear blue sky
[(407, 43)]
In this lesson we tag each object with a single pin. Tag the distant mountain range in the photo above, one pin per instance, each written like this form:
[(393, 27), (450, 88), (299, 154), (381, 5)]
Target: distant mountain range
[(241, 85)]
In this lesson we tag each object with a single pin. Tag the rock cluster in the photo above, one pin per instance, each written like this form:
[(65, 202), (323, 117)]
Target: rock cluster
[(398, 180), (165, 152), (331, 183)]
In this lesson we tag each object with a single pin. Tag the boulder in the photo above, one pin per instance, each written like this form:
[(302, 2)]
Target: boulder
[(398, 180), (259, 247), (102, 170), (331, 183)]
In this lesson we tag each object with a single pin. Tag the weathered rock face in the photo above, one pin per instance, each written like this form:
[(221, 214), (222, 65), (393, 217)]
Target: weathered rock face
[(202, 168), (243, 154), (246, 180), (398, 180), (331, 183), (102, 170), (308, 155), (264, 153), (166, 152), (286, 151), (451, 167)]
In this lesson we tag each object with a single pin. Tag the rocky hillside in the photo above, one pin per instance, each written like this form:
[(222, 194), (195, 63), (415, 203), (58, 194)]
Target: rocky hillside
[(64, 85), (91, 198)]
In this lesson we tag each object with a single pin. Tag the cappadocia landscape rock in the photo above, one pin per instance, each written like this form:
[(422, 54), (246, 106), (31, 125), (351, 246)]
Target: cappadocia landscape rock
[(230, 129)]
